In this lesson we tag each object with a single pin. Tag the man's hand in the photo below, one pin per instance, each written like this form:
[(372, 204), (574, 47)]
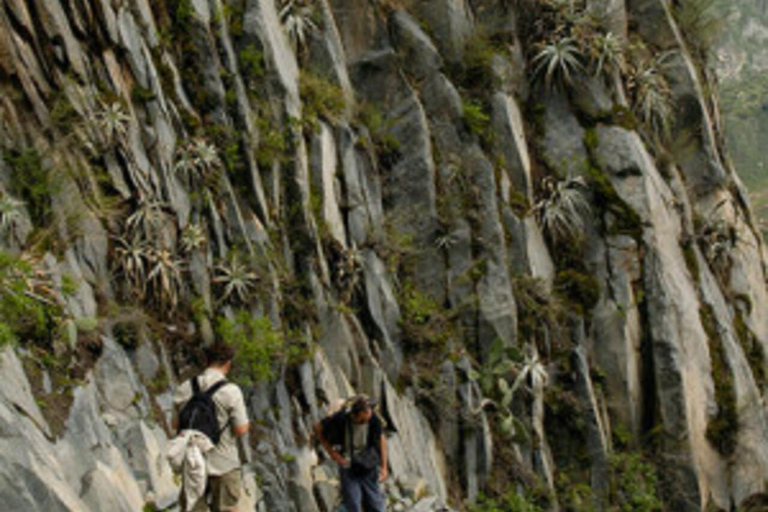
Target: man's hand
[(341, 461), (383, 474)]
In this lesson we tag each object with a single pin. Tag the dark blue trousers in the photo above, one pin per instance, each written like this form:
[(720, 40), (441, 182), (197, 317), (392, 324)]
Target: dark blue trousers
[(362, 493)]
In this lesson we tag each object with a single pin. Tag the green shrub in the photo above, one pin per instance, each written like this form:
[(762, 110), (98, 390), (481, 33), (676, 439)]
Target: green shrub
[(633, 484), (511, 502), (580, 290), (34, 182), (477, 71), (477, 119), (7, 336), (26, 311), (321, 98), (259, 346), (252, 62), (424, 322)]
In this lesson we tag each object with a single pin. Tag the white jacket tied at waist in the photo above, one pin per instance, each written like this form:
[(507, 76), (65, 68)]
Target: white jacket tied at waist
[(186, 455)]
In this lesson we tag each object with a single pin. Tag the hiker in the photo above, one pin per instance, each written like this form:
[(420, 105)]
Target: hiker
[(354, 439), (216, 435)]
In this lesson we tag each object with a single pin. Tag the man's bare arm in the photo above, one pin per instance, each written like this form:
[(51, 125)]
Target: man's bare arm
[(383, 449), (241, 430), (335, 455)]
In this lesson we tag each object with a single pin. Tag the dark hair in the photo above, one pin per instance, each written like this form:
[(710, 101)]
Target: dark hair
[(219, 353), (360, 404)]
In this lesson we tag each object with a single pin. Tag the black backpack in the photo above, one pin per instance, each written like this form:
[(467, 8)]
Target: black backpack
[(199, 413)]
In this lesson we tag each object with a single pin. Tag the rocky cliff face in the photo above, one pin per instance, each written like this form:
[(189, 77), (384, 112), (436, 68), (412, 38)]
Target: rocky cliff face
[(511, 222)]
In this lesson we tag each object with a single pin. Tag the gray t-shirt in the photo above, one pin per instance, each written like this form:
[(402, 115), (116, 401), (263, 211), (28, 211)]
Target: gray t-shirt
[(359, 436), (230, 407)]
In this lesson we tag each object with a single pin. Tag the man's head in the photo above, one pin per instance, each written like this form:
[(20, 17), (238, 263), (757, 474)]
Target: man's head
[(361, 410), (220, 355)]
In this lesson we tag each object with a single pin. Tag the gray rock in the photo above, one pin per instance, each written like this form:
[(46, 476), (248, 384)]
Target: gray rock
[(451, 21), (421, 57), (385, 312), (15, 389), (323, 171), (596, 432), (119, 388), (563, 144), (146, 361), (30, 473), (102, 491), (413, 449), (262, 27), (507, 125), (591, 96), (145, 452)]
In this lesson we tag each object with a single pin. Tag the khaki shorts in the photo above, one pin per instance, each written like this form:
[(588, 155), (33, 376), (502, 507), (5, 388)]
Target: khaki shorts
[(224, 491)]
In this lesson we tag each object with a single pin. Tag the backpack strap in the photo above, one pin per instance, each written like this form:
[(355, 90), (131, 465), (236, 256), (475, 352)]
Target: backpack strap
[(195, 386), (217, 386), (212, 391)]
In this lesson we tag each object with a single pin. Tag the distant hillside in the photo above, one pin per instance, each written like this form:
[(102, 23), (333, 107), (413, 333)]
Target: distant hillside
[(742, 66)]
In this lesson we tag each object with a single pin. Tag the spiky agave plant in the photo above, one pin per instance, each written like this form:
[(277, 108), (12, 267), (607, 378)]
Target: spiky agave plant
[(296, 18), (563, 210), (557, 62), (235, 278), (112, 122), (164, 277)]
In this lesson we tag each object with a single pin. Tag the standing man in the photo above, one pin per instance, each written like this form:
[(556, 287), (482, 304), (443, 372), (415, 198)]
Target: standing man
[(354, 439), (223, 460)]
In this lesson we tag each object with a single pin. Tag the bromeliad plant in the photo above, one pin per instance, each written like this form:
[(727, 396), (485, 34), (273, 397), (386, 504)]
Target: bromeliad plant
[(193, 238), (164, 277), (236, 280), (650, 89), (133, 256), (296, 18), (112, 123), (607, 54), (557, 62), (147, 221), (198, 161), (563, 209)]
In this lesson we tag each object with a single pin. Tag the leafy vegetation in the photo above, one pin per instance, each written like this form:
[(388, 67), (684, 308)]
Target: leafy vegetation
[(34, 182), (511, 502), (30, 307), (633, 484), (322, 100), (259, 346), (425, 324)]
